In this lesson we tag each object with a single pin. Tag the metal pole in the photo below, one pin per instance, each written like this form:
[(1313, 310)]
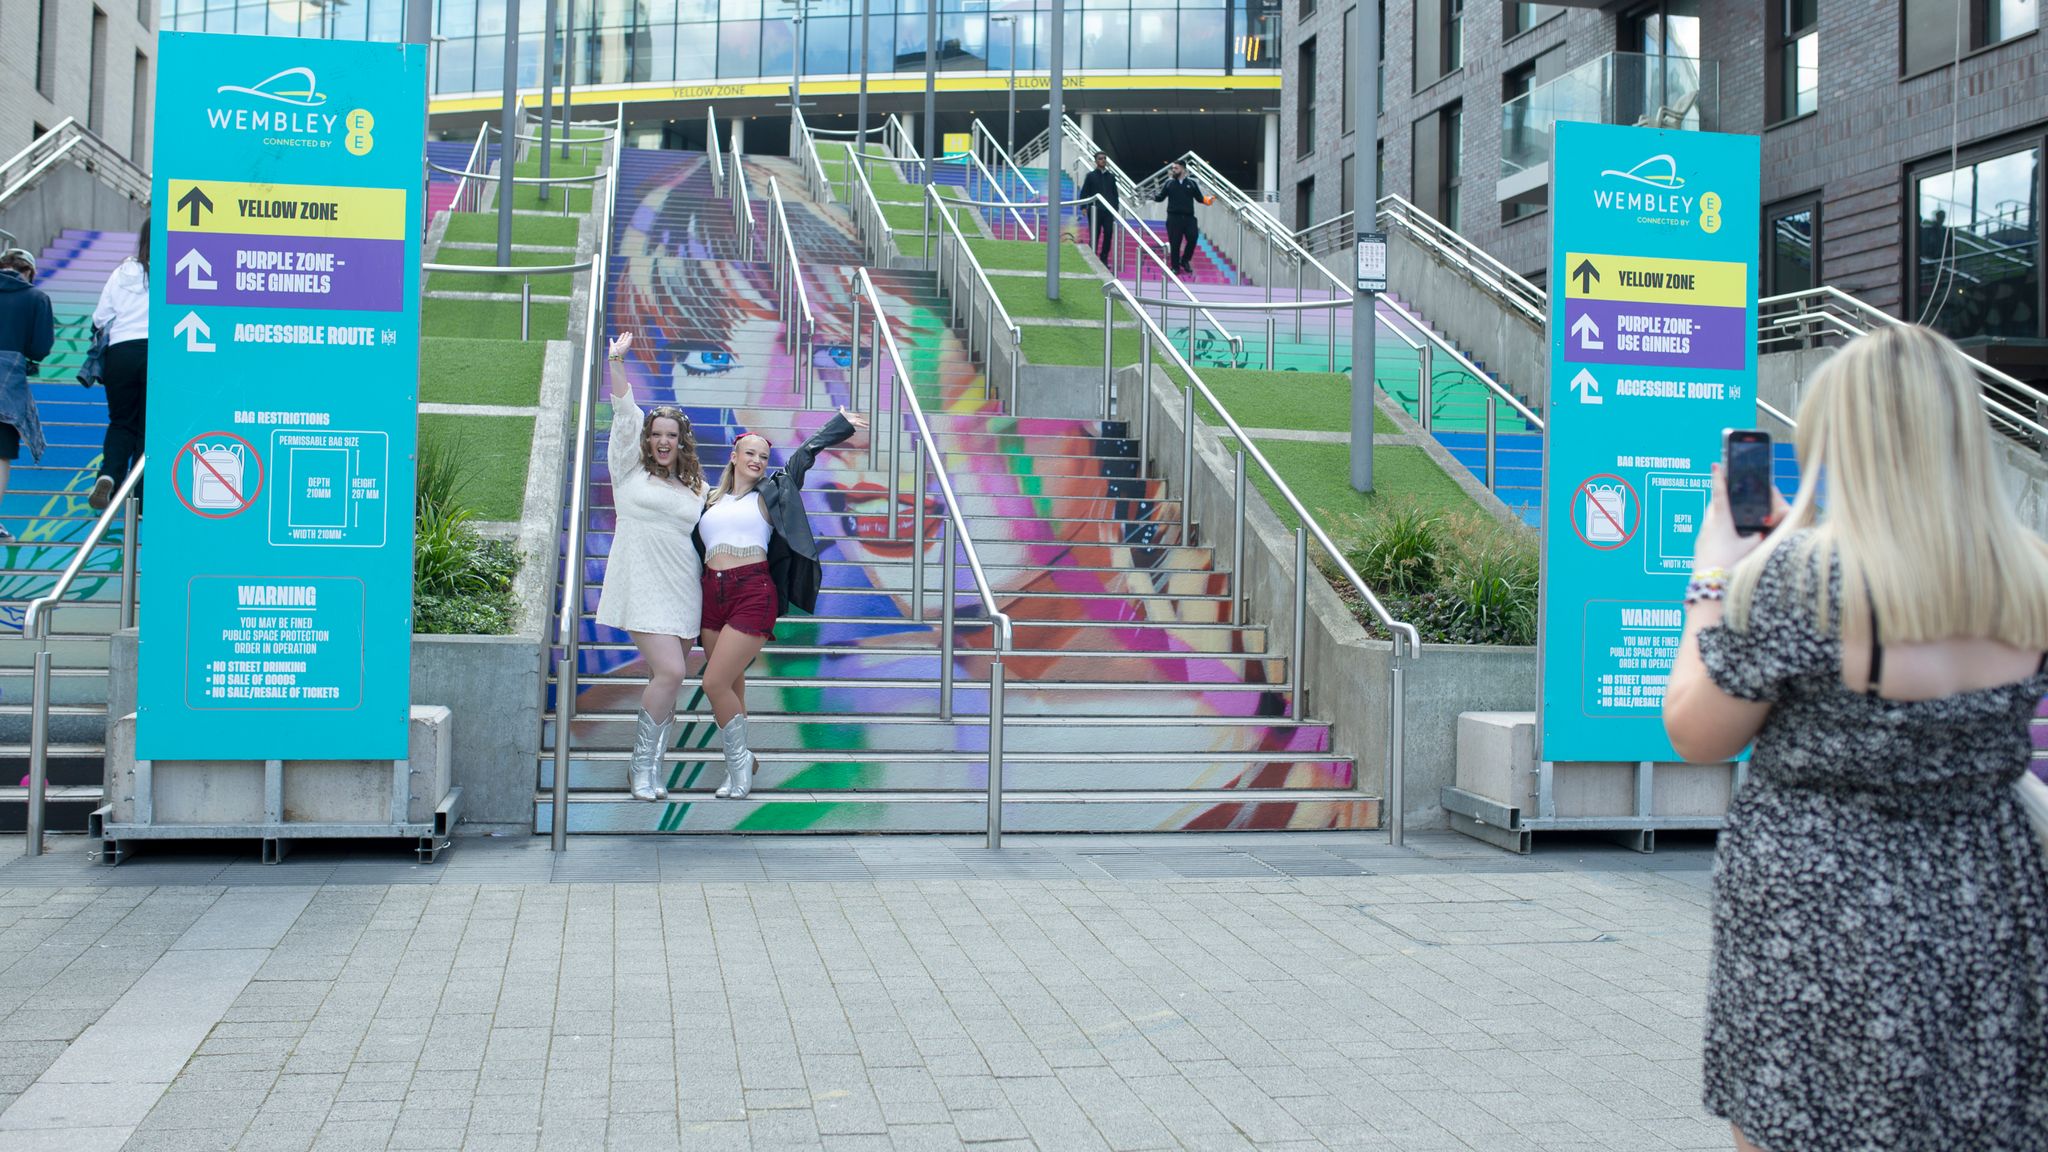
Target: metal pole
[(860, 138), (946, 622), (1365, 178), (1272, 334), (526, 304), (569, 72), (853, 374), (931, 89), (796, 79), (1010, 134), (130, 511), (995, 742), (38, 744), (1294, 660), (419, 22), (1492, 437), (875, 406), (917, 541), (1055, 130), (1187, 465), (1108, 350), (547, 103), (508, 140), (1397, 753), (1237, 596), (1425, 389)]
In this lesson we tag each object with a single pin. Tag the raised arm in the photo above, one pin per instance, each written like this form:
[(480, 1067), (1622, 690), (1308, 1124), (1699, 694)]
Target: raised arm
[(623, 452), (842, 427)]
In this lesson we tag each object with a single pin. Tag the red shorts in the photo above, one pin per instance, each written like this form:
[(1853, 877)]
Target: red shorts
[(742, 598)]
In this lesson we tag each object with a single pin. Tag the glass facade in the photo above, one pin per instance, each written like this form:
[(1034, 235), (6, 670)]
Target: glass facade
[(682, 41)]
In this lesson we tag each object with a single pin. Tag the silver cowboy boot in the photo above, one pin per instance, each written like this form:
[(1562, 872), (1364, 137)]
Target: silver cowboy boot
[(657, 776), (646, 750), (739, 760)]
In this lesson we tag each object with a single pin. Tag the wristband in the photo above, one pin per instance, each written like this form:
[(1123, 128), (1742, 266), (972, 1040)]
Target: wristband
[(1708, 584)]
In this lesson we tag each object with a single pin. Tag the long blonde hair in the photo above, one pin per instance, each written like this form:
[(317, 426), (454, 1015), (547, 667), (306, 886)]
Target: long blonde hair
[(730, 472), (1917, 516)]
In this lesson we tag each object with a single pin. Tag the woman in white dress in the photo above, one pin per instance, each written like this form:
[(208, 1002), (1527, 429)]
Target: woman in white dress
[(653, 584)]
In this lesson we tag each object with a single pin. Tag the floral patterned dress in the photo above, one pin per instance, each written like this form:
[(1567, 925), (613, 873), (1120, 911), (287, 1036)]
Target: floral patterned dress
[(1880, 930)]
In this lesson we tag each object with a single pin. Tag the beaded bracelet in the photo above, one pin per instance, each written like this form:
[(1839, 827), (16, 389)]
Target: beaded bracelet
[(1708, 584)]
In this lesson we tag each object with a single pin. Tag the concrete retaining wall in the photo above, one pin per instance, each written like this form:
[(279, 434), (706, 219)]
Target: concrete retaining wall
[(1347, 673), (1503, 341), (68, 196)]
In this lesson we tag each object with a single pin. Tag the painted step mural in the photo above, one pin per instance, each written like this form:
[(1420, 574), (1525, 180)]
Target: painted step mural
[(1134, 702)]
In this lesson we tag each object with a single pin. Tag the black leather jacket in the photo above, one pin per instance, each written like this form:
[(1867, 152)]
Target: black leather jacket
[(792, 550), (1099, 183)]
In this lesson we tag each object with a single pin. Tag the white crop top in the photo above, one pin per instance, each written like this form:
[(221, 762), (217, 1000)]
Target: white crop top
[(735, 526)]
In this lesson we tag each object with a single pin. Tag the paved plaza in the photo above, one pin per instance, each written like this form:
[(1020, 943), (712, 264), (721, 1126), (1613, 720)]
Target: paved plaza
[(1068, 993)]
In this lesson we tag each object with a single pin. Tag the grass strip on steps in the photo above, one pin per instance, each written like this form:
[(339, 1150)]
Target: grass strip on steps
[(492, 319), (496, 449), (1320, 475), (555, 283), (462, 370), (557, 166), (482, 227), (1308, 401), (527, 197), (1017, 256), (1024, 298)]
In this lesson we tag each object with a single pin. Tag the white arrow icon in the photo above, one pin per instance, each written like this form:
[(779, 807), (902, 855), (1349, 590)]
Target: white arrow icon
[(195, 332), (1587, 332), (196, 269), (1587, 387)]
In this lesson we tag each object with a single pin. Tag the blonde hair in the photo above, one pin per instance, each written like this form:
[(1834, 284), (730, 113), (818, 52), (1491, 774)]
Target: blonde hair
[(687, 468), (731, 473), (1917, 517)]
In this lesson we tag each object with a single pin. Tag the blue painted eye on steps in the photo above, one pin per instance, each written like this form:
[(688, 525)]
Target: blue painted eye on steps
[(707, 361), (841, 355)]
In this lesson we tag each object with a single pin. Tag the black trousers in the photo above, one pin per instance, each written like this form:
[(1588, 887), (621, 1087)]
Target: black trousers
[(1105, 231), (1180, 240), (125, 374)]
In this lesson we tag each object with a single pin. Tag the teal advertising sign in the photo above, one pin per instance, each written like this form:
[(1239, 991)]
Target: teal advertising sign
[(284, 377), (1652, 354)]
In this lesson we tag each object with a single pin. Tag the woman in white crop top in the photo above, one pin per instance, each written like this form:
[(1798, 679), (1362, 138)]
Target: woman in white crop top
[(652, 590)]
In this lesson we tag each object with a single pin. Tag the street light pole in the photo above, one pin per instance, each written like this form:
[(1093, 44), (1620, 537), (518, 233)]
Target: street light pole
[(1010, 136), (547, 97), (796, 68), (508, 137), (568, 73), (1364, 65), (1056, 79), (860, 138), (931, 89)]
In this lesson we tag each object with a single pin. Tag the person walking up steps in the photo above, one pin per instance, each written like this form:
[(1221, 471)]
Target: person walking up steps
[(123, 313), (1181, 194), (1879, 973), (27, 330), (759, 558), (1101, 182), (651, 587)]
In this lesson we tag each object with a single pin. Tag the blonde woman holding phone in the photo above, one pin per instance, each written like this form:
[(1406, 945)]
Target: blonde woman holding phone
[(1879, 975)]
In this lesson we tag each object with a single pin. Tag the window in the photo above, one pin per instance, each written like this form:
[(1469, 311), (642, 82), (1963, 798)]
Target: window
[(1977, 246), (1439, 40), (1522, 17), (1454, 35), (46, 49), (1305, 100), (1932, 28), (142, 10), (1344, 183), (1305, 203), (138, 144), (1308, 8), (1792, 247), (96, 80), (1438, 167), (1344, 64), (1792, 87)]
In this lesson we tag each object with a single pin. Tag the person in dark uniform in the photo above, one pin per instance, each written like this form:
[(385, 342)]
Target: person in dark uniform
[(1180, 195), (1101, 182)]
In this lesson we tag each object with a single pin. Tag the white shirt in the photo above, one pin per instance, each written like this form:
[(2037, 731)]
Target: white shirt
[(735, 526), (124, 304)]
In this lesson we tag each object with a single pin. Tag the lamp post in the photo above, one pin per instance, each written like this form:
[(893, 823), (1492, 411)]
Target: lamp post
[(1365, 305), (1055, 225), (568, 75), (931, 91), (508, 136), (1010, 136), (797, 10), (860, 139), (547, 98)]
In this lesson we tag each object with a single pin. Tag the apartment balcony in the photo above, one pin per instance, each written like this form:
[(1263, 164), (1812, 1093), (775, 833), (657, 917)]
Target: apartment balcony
[(1618, 88)]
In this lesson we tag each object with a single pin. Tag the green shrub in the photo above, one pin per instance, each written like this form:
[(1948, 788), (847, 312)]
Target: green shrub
[(1459, 579), (1400, 553), (462, 583)]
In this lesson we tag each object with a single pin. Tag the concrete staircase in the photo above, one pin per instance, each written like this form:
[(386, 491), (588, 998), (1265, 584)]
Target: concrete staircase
[(1133, 703)]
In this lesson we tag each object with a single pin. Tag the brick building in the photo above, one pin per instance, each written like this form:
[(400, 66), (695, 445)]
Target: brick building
[(92, 60), (1902, 139)]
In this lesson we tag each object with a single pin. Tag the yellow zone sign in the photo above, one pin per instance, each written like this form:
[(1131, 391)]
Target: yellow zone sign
[(1655, 280), (287, 209)]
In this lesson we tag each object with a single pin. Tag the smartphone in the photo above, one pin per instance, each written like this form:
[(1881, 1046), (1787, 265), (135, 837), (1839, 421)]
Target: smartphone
[(1746, 463)]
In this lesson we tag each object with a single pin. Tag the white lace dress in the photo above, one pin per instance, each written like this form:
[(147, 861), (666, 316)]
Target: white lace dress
[(653, 581)]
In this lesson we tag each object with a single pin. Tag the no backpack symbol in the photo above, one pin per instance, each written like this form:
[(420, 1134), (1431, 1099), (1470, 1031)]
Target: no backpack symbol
[(1606, 513), (217, 475)]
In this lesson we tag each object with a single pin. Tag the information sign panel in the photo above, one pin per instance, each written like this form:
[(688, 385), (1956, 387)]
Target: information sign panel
[(1372, 261), (284, 372), (1652, 353)]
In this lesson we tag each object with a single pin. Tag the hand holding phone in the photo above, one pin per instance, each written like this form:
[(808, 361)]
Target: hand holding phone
[(1746, 462)]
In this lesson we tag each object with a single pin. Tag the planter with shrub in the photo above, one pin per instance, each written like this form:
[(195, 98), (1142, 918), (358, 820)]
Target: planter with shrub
[(1459, 578), (461, 581)]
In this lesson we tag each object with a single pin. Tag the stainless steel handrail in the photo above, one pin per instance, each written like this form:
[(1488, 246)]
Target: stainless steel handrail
[(987, 137), (469, 189), (786, 268), (1083, 157), (989, 177), (35, 627), (819, 187), (991, 315), (878, 239), (1499, 280), (929, 460), (577, 514), (711, 147), (742, 202), (1146, 251), (485, 176), (526, 283), (1114, 291), (73, 140)]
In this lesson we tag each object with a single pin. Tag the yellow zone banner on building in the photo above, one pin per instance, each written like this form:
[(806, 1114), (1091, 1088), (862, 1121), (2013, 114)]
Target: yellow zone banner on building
[(900, 84), (229, 206), (1639, 279)]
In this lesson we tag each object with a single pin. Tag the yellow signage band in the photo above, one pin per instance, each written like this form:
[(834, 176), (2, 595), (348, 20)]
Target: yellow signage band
[(895, 84), (251, 209), (1655, 280)]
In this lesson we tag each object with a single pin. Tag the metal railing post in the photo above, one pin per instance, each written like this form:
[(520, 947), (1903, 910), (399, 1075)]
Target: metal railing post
[(1397, 749), (1108, 351), (875, 406), (525, 309), (995, 748), (917, 541), (1237, 484), (946, 611), (853, 366), (1187, 466), (130, 514), (1294, 660), (1492, 439), (38, 747), (1425, 389), (1272, 337)]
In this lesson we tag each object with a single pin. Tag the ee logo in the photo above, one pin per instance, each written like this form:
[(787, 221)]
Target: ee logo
[(1710, 213), (359, 141)]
